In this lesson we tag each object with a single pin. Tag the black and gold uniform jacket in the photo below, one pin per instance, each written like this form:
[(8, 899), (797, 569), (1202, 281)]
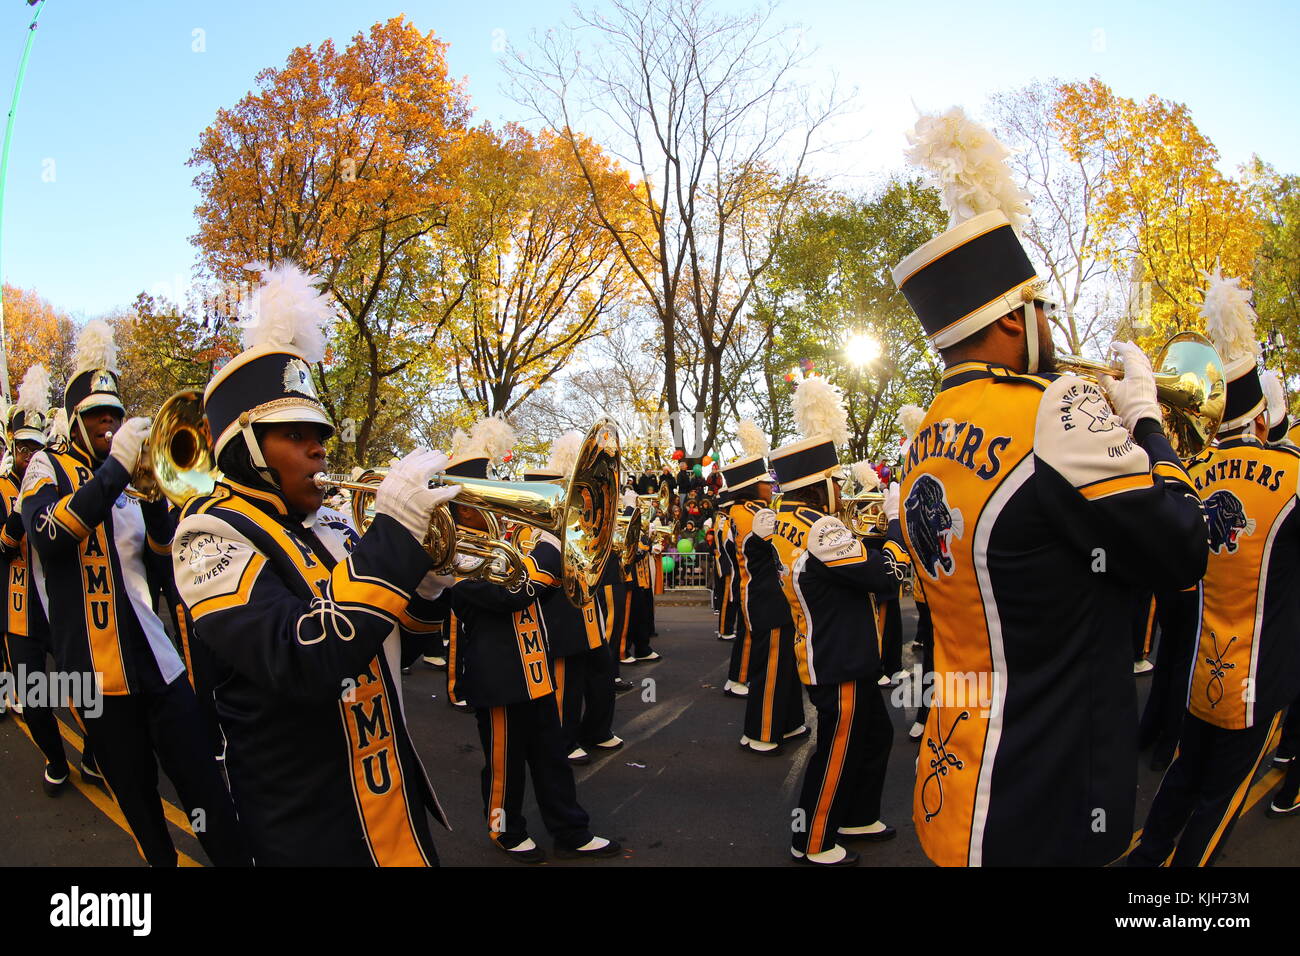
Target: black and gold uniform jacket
[(1033, 518), (569, 630), (722, 553), (827, 576), (22, 614), (503, 634), (1247, 665), (761, 599), (98, 555), (322, 768)]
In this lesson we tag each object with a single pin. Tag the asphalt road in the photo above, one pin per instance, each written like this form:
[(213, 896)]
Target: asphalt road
[(680, 792)]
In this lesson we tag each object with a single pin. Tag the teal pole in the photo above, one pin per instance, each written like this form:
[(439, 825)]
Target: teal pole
[(4, 175)]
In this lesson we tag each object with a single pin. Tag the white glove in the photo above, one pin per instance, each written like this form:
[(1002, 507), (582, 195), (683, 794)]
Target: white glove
[(891, 501), (127, 442), (406, 496), (1134, 396), (432, 585)]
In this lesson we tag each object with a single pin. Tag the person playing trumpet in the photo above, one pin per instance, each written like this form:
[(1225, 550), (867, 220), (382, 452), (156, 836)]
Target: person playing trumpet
[(1036, 509), (307, 630)]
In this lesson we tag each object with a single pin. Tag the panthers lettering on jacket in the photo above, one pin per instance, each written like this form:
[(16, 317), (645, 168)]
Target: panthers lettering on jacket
[(569, 630), (1032, 518), (98, 556), (761, 600), (309, 631), (1247, 664), (827, 576), (503, 636)]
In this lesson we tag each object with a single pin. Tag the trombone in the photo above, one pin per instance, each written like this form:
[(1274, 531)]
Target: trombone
[(1190, 388), (581, 513)]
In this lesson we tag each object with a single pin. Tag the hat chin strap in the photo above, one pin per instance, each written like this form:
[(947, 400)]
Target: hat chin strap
[(1031, 337), (85, 437), (255, 451)]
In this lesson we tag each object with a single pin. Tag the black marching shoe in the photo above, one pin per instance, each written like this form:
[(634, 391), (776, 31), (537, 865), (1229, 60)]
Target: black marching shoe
[(55, 784), (596, 847), (835, 856), (525, 851)]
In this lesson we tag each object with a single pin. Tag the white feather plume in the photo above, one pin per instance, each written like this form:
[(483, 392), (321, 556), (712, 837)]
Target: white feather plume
[(866, 476), (1229, 319), (289, 312), (751, 437), (1275, 397), (96, 347), (494, 435), (564, 452), (59, 424), (462, 446), (34, 392), (968, 164), (819, 410), (910, 418)]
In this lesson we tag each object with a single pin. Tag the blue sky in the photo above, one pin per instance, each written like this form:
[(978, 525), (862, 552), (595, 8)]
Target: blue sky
[(99, 204)]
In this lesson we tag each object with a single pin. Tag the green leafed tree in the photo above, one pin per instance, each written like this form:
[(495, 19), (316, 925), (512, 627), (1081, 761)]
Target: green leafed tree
[(830, 281)]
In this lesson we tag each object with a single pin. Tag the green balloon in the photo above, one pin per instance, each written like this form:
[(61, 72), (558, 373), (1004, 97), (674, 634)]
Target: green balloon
[(685, 546), (669, 564)]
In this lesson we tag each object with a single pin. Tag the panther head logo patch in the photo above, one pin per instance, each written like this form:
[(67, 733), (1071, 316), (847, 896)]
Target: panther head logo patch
[(931, 526), (1226, 517)]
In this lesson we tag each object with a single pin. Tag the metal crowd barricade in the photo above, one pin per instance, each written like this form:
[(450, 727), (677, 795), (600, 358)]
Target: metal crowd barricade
[(694, 570)]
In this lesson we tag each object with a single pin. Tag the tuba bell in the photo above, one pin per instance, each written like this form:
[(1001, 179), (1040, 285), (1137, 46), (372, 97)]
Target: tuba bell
[(581, 513), (1190, 388), (176, 460)]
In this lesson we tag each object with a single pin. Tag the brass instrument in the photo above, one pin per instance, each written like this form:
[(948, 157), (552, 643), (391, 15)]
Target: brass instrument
[(177, 459), (656, 504), (864, 514), (580, 512), (627, 537), (1190, 388)]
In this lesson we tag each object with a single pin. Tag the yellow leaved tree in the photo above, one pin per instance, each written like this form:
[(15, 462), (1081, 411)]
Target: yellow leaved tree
[(1163, 211)]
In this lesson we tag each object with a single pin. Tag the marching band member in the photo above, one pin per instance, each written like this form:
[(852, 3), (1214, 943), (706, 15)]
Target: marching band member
[(505, 645), (909, 420), (639, 604), (1031, 503), (773, 701), (826, 576), (94, 550), (26, 630), (582, 669), (322, 768), (1247, 664)]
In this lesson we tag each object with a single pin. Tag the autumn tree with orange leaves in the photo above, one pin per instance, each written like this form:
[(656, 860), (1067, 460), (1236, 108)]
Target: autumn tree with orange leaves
[(527, 273), (35, 331), (343, 161), (1163, 209)]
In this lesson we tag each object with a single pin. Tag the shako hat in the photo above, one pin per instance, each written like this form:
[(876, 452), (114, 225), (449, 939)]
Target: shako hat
[(1230, 326), (751, 467)]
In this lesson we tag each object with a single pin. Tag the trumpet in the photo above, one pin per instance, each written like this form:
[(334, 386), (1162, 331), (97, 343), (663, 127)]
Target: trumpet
[(1190, 388), (176, 460), (581, 513)]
